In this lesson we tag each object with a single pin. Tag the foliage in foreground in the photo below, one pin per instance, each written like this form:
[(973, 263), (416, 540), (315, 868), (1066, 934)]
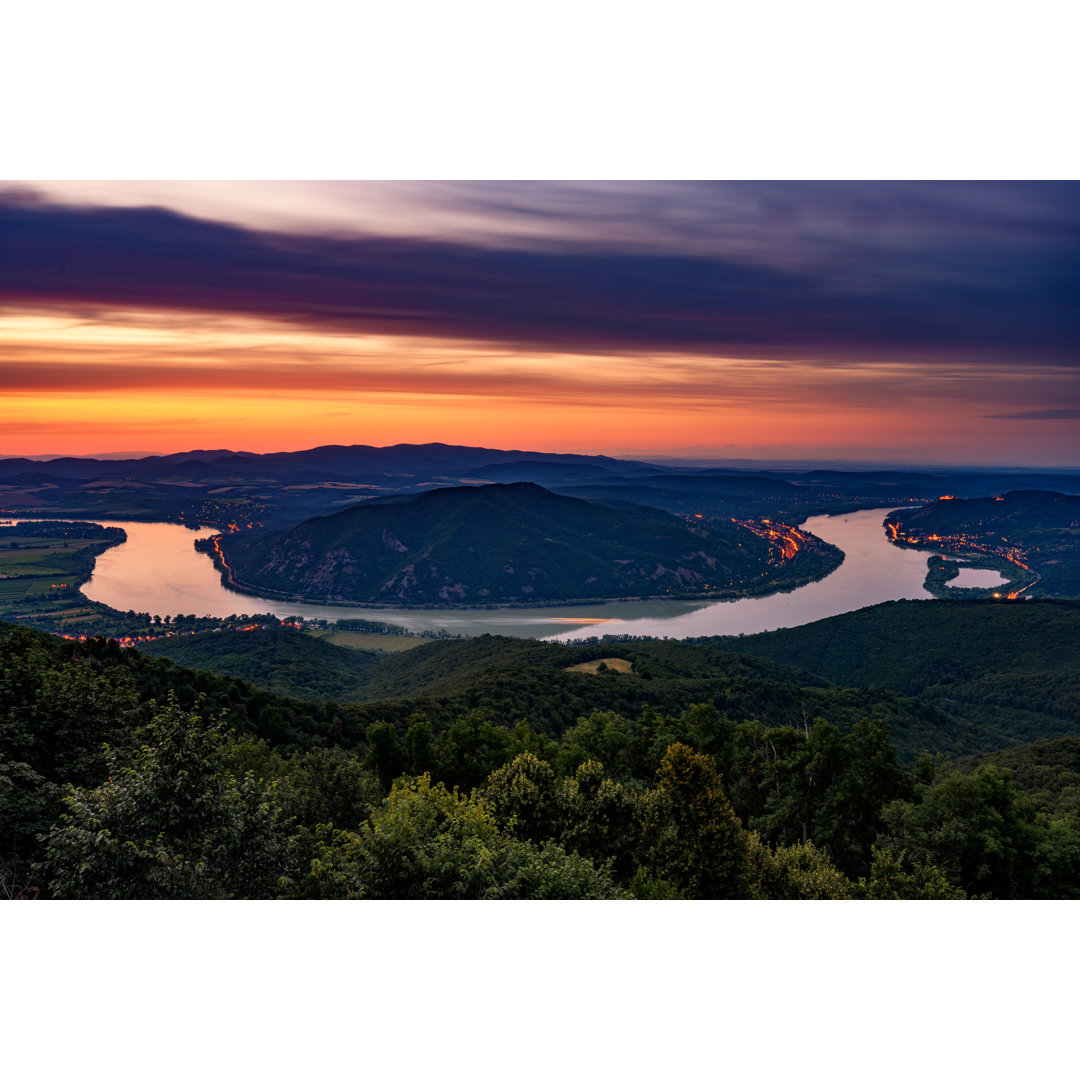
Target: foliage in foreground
[(428, 843), (183, 815), (168, 824), (655, 805)]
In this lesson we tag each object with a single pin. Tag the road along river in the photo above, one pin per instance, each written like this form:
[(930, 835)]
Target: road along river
[(158, 570)]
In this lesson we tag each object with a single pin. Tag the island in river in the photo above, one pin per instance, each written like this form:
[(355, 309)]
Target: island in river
[(516, 544)]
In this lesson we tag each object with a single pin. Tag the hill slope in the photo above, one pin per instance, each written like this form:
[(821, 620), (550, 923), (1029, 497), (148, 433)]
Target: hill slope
[(512, 543), (514, 679), (1013, 667), (278, 660), (508, 680)]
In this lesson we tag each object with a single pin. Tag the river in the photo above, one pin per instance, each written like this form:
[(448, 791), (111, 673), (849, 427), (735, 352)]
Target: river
[(158, 570)]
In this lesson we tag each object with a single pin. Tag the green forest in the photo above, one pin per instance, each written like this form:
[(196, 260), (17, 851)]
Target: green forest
[(804, 764), (514, 543)]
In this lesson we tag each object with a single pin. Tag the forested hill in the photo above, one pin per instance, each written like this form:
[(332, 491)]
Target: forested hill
[(950, 676), (513, 679), (276, 659), (507, 543), (518, 770), (1012, 666)]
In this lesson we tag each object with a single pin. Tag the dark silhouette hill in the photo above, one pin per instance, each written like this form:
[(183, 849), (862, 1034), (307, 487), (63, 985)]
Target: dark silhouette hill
[(279, 490)]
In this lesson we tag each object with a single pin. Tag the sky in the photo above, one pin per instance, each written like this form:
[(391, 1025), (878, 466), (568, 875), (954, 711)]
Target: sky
[(909, 322)]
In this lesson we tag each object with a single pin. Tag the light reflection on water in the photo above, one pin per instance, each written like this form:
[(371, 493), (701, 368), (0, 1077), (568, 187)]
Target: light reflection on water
[(158, 570), (971, 577), (872, 571)]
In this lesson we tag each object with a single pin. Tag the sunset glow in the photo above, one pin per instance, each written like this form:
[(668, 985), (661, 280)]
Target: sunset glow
[(909, 322)]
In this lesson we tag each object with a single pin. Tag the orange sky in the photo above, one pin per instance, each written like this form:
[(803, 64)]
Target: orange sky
[(84, 374), (130, 383)]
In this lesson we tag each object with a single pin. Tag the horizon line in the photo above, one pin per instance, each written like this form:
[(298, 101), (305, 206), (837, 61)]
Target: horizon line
[(696, 461)]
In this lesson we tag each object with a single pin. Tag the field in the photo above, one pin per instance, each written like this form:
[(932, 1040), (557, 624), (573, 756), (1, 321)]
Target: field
[(352, 639), (42, 555), (609, 663), (42, 565)]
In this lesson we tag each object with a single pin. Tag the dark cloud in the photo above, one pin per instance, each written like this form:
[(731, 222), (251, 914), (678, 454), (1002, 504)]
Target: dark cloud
[(1039, 414), (771, 221), (981, 273)]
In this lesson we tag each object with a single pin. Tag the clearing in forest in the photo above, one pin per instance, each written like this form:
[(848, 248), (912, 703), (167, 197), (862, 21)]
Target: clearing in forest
[(610, 663)]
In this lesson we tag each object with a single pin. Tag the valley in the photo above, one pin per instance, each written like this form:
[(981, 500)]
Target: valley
[(786, 660), (835, 789)]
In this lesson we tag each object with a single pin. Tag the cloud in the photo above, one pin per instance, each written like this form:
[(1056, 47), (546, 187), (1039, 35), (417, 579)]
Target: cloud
[(836, 274), (250, 362), (775, 222), (1039, 414)]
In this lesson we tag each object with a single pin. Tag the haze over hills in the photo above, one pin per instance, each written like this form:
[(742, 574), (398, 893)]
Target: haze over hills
[(432, 461), (500, 543)]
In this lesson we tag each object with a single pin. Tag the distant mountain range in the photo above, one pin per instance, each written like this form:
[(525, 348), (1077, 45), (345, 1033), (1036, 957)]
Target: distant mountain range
[(502, 543), (218, 487), (433, 461), (321, 461)]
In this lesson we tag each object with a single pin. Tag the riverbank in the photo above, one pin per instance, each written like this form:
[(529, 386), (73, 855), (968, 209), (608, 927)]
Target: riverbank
[(158, 571)]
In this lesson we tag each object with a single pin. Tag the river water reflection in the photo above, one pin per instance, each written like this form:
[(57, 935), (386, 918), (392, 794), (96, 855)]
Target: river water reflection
[(159, 571)]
